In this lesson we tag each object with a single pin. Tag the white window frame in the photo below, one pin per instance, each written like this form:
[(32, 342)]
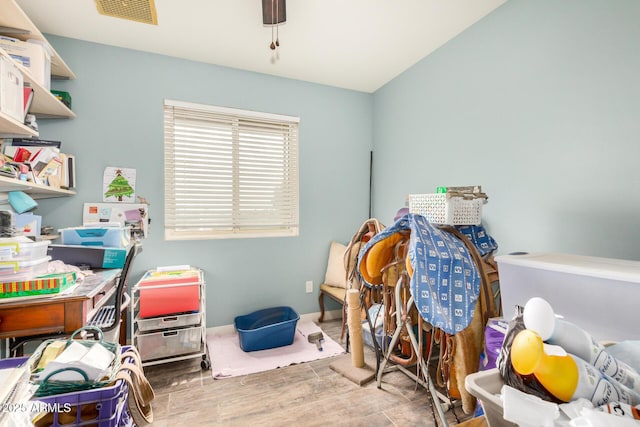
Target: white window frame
[(229, 173)]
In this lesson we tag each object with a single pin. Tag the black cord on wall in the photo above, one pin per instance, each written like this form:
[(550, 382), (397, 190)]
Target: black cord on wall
[(370, 180)]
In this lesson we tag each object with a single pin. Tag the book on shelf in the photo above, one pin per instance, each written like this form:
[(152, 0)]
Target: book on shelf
[(68, 176), (16, 153), (27, 99), (51, 174), (34, 142), (41, 159)]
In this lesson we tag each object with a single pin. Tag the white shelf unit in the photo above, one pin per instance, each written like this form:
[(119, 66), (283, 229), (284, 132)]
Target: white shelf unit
[(13, 17), (15, 23), (11, 127), (170, 336), (36, 191), (45, 105)]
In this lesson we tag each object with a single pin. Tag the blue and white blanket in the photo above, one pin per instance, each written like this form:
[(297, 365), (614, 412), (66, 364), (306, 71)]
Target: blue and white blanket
[(445, 284)]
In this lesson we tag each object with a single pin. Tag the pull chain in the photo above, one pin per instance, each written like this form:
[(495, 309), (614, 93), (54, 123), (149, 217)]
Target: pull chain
[(272, 46), (277, 23)]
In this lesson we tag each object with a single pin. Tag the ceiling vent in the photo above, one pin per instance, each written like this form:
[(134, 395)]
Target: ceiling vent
[(134, 10)]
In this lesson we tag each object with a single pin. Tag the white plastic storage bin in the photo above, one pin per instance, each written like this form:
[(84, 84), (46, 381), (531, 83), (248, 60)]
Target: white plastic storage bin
[(178, 321), (11, 94), (34, 56), (598, 294), (22, 249), (168, 343), (486, 386), (12, 271), (441, 208)]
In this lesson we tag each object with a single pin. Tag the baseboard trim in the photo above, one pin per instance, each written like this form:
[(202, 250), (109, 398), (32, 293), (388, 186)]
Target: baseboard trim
[(229, 329)]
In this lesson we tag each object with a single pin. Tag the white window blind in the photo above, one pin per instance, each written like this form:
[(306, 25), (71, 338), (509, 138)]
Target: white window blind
[(229, 173)]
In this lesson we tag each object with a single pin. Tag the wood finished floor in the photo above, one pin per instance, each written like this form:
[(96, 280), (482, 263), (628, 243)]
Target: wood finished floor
[(307, 394)]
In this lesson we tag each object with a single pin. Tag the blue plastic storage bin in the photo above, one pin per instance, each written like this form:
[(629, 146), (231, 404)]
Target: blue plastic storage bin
[(267, 328)]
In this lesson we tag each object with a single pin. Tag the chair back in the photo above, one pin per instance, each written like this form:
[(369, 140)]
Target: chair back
[(121, 288)]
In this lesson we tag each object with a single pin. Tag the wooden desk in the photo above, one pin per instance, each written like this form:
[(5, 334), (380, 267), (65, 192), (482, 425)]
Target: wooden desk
[(30, 316)]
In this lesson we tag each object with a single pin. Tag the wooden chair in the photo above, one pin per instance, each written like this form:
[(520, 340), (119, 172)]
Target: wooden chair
[(336, 294), (341, 271), (334, 285)]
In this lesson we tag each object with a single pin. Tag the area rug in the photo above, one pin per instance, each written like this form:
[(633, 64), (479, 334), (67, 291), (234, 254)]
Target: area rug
[(229, 360)]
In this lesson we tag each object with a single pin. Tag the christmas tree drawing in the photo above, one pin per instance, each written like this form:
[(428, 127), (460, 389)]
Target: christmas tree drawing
[(119, 187)]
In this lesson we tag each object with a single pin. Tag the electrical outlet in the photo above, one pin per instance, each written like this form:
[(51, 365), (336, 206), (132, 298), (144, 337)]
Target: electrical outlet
[(309, 286)]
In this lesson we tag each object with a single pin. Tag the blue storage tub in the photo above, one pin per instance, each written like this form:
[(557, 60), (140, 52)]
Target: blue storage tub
[(267, 328)]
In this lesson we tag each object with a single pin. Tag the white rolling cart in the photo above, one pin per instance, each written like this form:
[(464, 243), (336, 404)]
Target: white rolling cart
[(168, 315)]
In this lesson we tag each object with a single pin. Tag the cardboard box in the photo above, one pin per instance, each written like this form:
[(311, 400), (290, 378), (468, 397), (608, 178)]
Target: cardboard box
[(598, 294), (90, 256), (11, 93), (48, 284), (35, 57)]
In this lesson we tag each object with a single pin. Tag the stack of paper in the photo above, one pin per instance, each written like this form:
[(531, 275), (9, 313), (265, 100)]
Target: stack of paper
[(15, 390), (9, 378), (94, 361)]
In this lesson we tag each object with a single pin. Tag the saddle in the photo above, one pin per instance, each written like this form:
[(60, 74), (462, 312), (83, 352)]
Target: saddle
[(367, 230), (384, 260)]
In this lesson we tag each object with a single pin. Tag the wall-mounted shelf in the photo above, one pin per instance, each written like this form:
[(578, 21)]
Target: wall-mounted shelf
[(13, 17), (45, 104), (11, 127), (15, 23), (37, 191)]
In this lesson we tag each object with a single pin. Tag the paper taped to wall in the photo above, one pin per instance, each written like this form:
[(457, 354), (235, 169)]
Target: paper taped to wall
[(133, 215)]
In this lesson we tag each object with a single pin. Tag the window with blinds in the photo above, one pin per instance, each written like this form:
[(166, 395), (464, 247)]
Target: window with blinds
[(229, 173)]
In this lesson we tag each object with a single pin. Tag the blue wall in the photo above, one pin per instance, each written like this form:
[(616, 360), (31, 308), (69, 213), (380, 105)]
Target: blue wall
[(539, 102), (118, 96)]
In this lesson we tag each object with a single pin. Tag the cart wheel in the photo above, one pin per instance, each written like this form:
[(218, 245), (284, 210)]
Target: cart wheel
[(205, 365)]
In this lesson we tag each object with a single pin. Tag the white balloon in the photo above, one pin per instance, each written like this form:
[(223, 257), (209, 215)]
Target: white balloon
[(539, 317)]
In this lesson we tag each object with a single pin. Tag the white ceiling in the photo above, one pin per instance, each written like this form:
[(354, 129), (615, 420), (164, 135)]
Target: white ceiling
[(353, 44)]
